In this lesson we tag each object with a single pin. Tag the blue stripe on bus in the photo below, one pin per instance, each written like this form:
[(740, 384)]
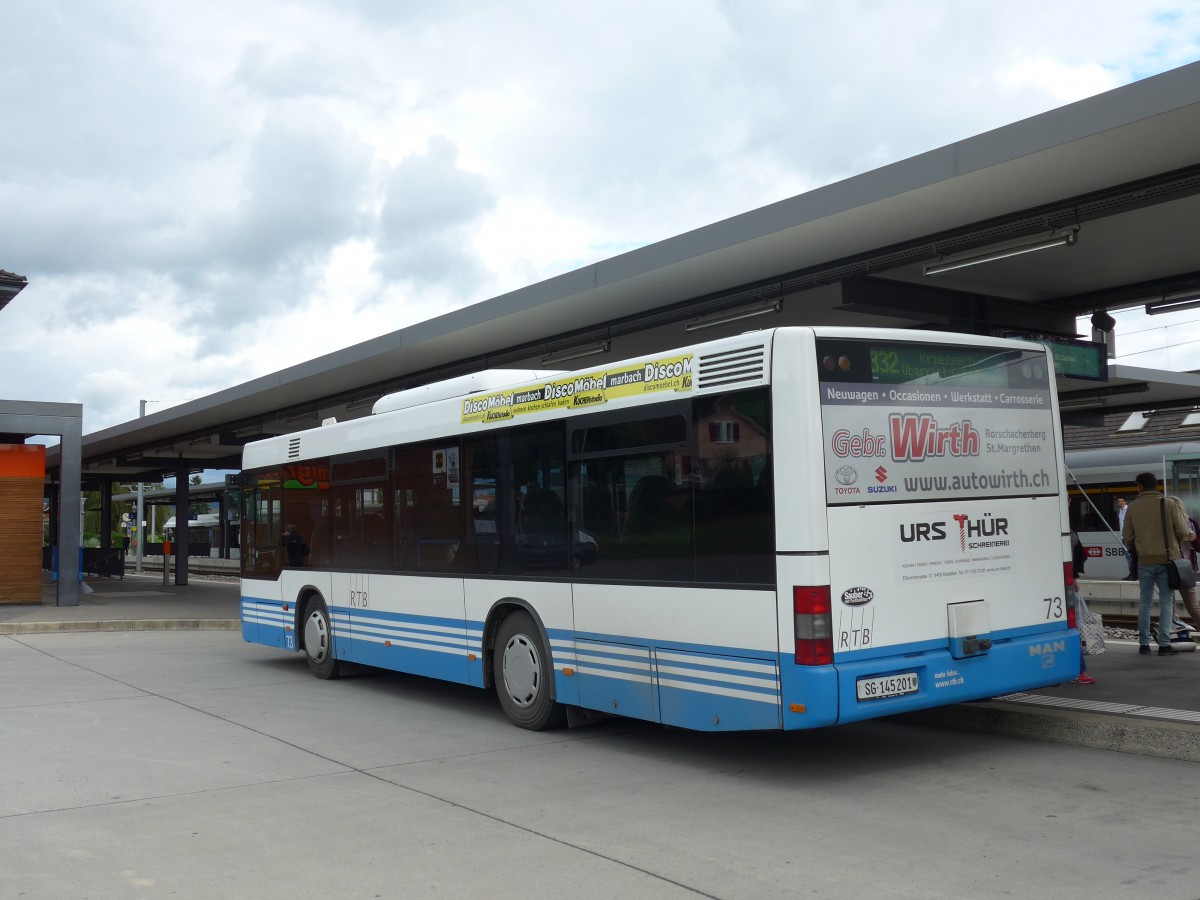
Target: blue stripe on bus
[(433, 646), (715, 712), (688, 685), (563, 659), (655, 644), (767, 693), (449, 643), (266, 622), (698, 686)]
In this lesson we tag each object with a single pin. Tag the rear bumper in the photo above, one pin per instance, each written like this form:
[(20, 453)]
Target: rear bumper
[(1012, 664)]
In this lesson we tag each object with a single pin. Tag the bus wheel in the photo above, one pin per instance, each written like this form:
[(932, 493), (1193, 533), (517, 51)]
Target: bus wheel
[(318, 640), (523, 670)]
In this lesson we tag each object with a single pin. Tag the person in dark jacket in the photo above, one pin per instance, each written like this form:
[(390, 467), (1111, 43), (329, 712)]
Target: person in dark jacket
[(294, 546)]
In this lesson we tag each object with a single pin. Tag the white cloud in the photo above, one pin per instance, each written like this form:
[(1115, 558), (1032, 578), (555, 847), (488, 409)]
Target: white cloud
[(1062, 80)]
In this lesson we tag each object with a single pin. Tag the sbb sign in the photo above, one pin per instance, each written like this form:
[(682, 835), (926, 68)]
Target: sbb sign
[(1105, 555)]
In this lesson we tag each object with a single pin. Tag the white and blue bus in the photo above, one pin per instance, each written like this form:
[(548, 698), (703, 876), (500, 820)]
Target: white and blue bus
[(788, 529)]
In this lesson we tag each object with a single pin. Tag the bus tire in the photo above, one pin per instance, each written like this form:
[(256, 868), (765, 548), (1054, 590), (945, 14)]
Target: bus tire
[(523, 671), (318, 640)]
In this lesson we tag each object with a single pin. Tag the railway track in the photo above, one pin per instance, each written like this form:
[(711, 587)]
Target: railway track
[(1112, 620), (197, 565), (1128, 622)]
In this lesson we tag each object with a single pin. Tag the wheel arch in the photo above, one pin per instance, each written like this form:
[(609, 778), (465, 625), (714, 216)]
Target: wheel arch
[(303, 596), (499, 611)]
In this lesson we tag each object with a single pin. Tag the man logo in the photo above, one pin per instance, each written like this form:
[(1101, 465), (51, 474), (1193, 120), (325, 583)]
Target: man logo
[(1048, 648), (846, 475)]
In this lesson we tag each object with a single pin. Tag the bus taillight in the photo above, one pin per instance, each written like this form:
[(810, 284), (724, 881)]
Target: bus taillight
[(1069, 592), (814, 631)]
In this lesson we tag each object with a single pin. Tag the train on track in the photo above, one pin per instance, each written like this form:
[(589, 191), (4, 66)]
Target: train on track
[(1096, 478)]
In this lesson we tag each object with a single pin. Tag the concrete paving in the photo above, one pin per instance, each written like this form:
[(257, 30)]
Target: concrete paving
[(190, 764), (1139, 704)]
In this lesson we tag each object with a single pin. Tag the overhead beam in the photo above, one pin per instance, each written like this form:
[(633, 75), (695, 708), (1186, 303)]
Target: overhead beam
[(980, 312), (1128, 296)]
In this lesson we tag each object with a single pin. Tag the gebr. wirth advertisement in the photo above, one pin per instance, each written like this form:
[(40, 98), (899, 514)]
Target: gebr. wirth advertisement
[(889, 442)]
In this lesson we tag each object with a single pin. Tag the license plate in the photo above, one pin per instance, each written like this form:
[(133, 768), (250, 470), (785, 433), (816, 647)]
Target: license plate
[(887, 686)]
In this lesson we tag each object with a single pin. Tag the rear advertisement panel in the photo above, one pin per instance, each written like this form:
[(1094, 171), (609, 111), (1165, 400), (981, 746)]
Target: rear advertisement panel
[(925, 557), (912, 422)]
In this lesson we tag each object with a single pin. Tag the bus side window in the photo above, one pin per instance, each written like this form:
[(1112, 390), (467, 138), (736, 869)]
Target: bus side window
[(427, 523), (648, 507), (657, 540), (262, 556), (597, 514), (536, 479), (481, 551), (305, 489), (735, 527)]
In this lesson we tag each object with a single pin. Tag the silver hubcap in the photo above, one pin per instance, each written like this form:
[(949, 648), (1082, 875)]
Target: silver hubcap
[(522, 670), (316, 637)]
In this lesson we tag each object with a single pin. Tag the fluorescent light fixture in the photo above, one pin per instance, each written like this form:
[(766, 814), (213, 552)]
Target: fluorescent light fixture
[(1006, 250), (559, 356), (726, 318), (1174, 302)]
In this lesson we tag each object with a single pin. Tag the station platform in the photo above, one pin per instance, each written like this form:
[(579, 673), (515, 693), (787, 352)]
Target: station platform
[(1145, 704), (133, 603), (1118, 597)]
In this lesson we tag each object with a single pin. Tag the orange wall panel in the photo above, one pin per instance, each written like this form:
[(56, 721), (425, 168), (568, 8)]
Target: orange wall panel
[(22, 483), (22, 461)]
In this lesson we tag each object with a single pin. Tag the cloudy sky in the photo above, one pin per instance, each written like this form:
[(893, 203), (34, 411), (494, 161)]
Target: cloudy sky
[(203, 193)]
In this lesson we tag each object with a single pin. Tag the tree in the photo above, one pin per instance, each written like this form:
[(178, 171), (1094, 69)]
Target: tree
[(198, 507)]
